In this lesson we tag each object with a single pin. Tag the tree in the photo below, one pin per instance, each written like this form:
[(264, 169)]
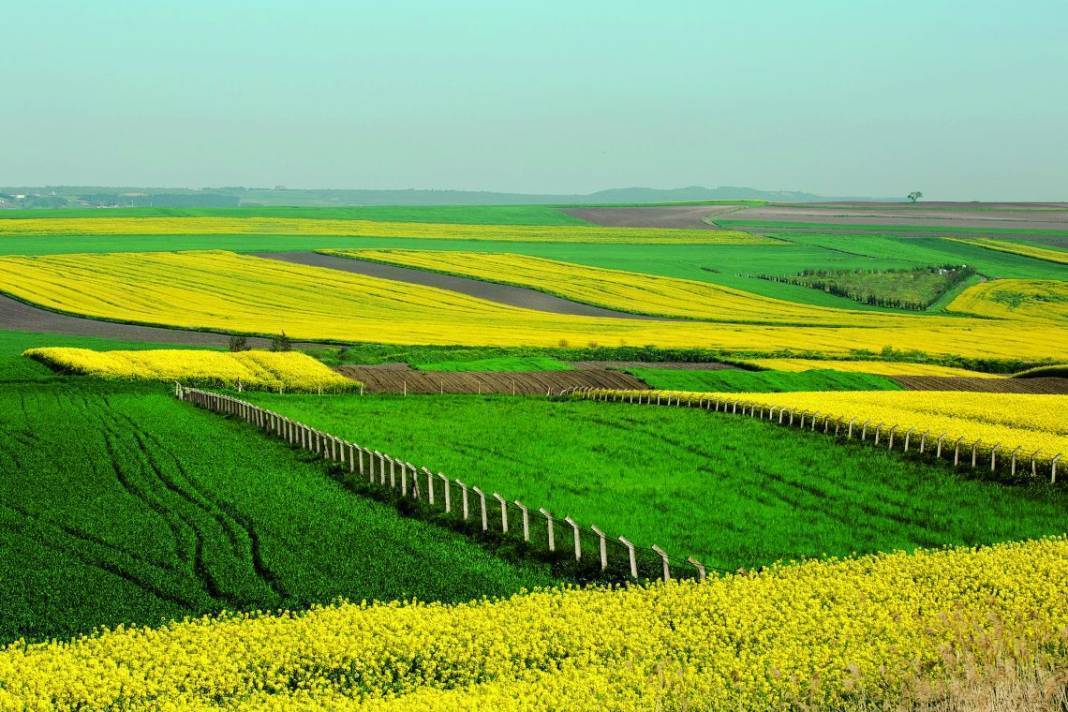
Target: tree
[(238, 343), (915, 195), (281, 343)]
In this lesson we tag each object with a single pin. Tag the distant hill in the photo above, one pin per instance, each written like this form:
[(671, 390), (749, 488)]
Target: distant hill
[(128, 197)]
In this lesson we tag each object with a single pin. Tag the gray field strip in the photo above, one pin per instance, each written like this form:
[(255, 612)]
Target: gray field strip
[(490, 291)]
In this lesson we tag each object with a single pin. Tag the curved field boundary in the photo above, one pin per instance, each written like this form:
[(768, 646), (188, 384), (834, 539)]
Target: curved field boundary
[(499, 516), (407, 380), (1047, 385), (491, 291), (17, 315), (1003, 457)]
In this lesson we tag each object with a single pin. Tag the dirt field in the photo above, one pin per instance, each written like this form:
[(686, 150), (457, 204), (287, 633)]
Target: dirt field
[(394, 378), (503, 294), (19, 316), (681, 216), (1000, 216), (984, 385)]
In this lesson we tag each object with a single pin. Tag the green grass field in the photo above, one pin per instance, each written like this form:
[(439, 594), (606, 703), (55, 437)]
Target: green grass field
[(726, 381), (121, 505), (696, 483)]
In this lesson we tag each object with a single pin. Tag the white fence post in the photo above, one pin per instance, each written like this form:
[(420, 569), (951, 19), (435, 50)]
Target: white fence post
[(699, 566), (526, 520), (663, 560), (504, 512), (630, 557), (603, 548), (1053, 469), (577, 537), (463, 498), (549, 527), (448, 492), (429, 485), (482, 507)]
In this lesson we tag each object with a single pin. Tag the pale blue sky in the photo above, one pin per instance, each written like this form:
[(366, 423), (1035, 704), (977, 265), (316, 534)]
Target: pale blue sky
[(963, 100)]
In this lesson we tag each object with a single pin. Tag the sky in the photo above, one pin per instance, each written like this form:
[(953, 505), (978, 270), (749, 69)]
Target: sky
[(961, 100)]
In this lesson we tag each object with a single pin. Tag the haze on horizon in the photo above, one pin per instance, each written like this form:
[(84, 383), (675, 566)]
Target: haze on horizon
[(961, 101)]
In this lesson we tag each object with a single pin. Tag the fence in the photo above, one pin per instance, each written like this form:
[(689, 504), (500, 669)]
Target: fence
[(587, 550), (939, 446)]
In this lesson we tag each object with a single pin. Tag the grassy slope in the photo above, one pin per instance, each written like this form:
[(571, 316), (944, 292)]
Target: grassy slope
[(694, 482), (120, 505), (761, 381)]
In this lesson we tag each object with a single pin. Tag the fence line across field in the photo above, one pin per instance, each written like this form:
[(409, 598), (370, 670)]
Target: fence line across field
[(489, 512), (930, 443)]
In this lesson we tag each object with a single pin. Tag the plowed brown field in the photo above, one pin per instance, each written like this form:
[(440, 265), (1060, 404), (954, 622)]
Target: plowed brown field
[(984, 385), (393, 379)]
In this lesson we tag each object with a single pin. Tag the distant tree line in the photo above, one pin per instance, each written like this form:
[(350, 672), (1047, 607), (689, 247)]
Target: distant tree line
[(832, 282)]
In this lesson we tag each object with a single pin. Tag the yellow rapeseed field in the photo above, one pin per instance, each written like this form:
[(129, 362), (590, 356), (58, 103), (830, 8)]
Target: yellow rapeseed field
[(370, 228), (1032, 422), (822, 634), (290, 370), (881, 368), (1039, 252), (1038, 300), (226, 292), (634, 292)]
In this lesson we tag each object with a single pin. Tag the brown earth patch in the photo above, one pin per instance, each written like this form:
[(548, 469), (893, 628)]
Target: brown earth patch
[(1055, 386), (950, 215), (394, 379)]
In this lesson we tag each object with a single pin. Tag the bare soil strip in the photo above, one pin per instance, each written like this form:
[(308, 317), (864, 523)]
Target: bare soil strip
[(394, 379), (690, 217), (983, 216), (20, 316), (983, 385), (500, 293)]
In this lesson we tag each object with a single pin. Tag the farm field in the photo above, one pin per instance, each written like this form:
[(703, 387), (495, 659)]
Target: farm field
[(877, 628), (227, 292), (732, 381), (1019, 248), (1034, 422), (248, 369), (141, 510), (883, 368), (696, 483), (1017, 299), (403, 380), (253, 225)]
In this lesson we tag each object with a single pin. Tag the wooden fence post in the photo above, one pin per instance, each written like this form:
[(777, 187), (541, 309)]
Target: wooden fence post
[(956, 450), (577, 537), (1013, 466), (663, 560), (549, 527), (1053, 469), (429, 485), (603, 548), (993, 456)]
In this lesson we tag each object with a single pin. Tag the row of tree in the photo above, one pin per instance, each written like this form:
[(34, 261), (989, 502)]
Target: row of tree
[(830, 281)]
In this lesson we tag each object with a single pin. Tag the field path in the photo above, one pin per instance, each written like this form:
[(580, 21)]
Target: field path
[(500, 293)]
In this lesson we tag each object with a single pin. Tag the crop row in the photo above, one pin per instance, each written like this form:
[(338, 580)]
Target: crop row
[(851, 634), (1018, 427)]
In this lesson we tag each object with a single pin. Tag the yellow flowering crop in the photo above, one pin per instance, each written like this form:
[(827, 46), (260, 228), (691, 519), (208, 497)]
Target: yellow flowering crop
[(824, 634), (880, 368), (1039, 252), (257, 225), (1030, 421), (1022, 299), (634, 291), (290, 370), (223, 291)]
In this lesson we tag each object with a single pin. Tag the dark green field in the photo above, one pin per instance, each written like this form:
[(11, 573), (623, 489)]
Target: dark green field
[(729, 490), (729, 381), (121, 505)]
